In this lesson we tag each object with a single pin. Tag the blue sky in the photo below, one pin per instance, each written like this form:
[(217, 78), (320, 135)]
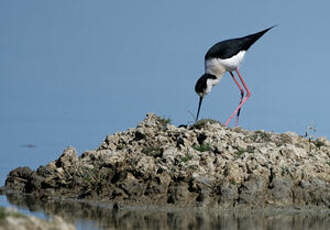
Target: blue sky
[(74, 71)]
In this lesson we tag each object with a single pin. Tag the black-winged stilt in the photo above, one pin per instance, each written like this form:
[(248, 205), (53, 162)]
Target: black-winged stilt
[(226, 56)]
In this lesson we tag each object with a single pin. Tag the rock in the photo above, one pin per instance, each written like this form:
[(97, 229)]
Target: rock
[(280, 192), (252, 191), (68, 158), (234, 173), (178, 194), (19, 178), (11, 219), (203, 165), (227, 195)]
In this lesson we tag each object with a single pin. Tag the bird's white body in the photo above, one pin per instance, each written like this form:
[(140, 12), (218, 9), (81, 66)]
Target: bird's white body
[(219, 67)]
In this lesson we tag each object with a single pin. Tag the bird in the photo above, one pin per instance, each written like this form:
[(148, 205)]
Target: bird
[(222, 57)]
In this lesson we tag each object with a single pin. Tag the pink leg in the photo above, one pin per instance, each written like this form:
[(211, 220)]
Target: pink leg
[(242, 95), (245, 99)]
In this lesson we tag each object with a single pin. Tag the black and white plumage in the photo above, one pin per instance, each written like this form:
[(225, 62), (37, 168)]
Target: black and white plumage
[(225, 56), (204, 86)]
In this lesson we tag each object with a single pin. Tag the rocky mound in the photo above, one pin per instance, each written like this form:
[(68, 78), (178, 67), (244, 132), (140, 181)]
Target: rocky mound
[(206, 164)]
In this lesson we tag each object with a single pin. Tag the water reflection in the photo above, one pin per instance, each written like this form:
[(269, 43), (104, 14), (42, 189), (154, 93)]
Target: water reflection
[(103, 216)]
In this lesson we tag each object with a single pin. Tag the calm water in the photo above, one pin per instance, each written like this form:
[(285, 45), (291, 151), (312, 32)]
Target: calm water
[(91, 215)]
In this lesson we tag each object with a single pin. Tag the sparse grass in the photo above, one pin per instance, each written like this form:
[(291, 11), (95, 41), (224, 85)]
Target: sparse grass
[(309, 133), (121, 146), (232, 181), (186, 158), (154, 151), (203, 147), (201, 123), (250, 149), (240, 151), (168, 121), (328, 163), (164, 121), (319, 144)]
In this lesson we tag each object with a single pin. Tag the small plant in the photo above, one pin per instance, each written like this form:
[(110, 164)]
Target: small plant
[(202, 147), (120, 146), (164, 121), (201, 123), (186, 158), (240, 151), (154, 151), (319, 144), (309, 133), (250, 149), (168, 121), (328, 163)]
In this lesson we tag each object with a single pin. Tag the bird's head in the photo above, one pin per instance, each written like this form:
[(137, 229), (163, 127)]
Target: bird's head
[(205, 83), (203, 86)]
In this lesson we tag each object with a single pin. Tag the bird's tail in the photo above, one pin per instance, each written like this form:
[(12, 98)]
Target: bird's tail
[(252, 38)]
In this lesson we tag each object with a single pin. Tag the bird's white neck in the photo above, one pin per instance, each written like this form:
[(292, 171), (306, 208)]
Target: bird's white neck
[(212, 67), (217, 71)]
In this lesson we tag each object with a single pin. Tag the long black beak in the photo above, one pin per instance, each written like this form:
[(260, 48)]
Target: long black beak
[(199, 107)]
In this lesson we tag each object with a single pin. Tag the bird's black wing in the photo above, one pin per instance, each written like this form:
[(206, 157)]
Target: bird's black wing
[(231, 47), (225, 49)]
